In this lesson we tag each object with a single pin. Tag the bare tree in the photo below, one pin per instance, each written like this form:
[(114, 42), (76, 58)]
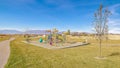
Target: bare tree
[(101, 25)]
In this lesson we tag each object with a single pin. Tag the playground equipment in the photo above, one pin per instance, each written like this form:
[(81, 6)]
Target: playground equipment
[(54, 38), (41, 40)]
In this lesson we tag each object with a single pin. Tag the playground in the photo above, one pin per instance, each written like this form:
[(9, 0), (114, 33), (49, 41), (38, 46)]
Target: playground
[(54, 40), (59, 45)]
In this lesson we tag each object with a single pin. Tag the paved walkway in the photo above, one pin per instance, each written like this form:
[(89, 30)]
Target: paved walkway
[(4, 52), (60, 46)]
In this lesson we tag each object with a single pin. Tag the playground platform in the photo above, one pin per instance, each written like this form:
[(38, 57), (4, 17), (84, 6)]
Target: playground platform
[(58, 46)]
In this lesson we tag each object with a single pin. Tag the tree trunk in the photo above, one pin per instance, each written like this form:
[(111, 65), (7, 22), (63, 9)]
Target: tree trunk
[(100, 41)]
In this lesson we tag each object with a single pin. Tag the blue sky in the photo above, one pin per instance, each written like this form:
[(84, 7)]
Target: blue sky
[(76, 15)]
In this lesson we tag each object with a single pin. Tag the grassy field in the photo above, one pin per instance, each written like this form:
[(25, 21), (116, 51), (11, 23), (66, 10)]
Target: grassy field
[(2, 38), (30, 56)]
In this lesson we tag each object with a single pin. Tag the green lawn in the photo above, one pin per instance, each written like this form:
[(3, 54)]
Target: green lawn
[(30, 56)]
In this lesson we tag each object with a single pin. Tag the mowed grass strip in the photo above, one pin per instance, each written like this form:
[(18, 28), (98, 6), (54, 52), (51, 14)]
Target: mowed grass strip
[(30, 56)]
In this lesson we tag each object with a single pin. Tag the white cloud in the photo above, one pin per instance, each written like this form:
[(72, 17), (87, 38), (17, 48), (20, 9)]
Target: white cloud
[(19, 29), (59, 3), (115, 30), (114, 9), (114, 21), (114, 26)]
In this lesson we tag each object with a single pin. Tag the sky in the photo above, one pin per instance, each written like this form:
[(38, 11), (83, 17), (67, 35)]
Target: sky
[(76, 15)]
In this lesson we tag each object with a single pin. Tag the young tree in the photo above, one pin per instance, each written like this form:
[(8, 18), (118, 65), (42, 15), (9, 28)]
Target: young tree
[(101, 25)]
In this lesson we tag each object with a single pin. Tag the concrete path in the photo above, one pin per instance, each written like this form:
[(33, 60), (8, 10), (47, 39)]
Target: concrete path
[(4, 52)]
